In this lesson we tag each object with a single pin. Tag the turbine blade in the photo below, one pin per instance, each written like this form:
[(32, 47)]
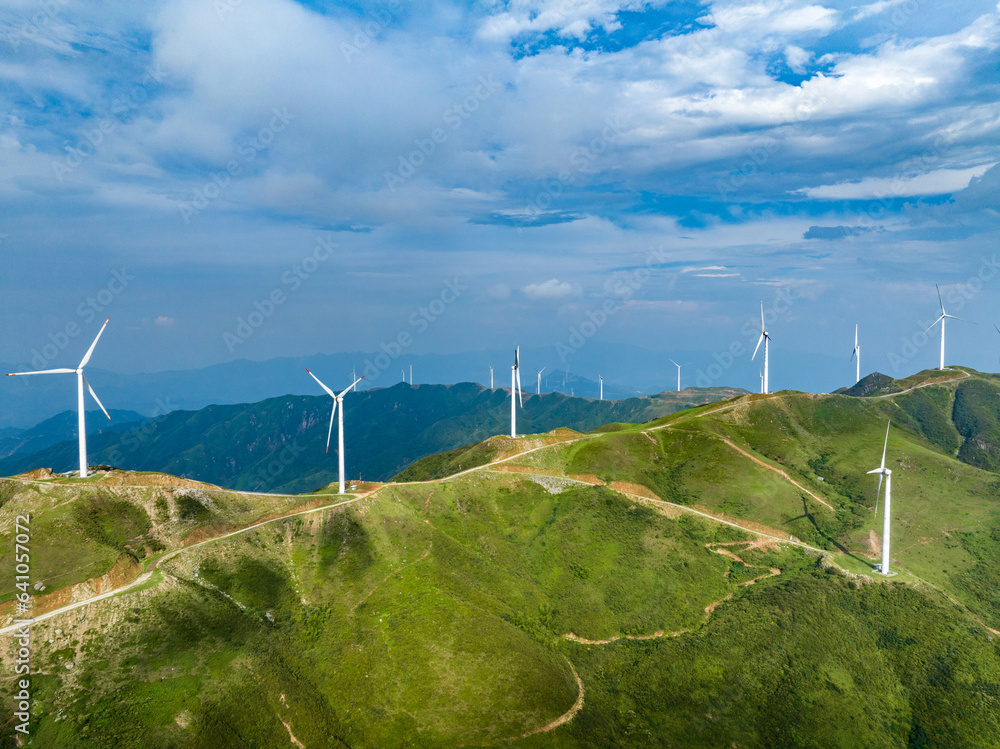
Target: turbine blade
[(952, 317), (330, 392), (44, 371), (90, 351), (995, 326), (96, 398), (329, 431), (674, 363), (879, 492), (761, 315), (759, 341), (935, 323), (886, 445), (517, 363), (517, 372), (352, 385), (940, 301)]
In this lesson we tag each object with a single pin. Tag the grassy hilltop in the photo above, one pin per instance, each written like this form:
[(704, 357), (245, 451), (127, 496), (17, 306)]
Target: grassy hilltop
[(702, 580)]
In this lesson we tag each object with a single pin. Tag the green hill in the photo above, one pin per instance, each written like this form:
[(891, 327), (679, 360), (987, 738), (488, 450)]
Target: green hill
[(703, 580), (279, 444)]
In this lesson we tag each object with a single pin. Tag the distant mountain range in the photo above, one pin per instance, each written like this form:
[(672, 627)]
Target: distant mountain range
[(279, 444), (627, 371)]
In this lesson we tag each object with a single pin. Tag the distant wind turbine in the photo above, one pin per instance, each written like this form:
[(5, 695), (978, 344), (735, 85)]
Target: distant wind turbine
[(491, 377), (944, 316), (538, 387), (80, 382), (515, 380), (765, 339), (338, 400), (857, 355), (411, 374), (884, 472), (678, 372), (601, 379)]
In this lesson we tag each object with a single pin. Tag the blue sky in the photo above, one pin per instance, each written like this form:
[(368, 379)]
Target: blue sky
[(329, 168)]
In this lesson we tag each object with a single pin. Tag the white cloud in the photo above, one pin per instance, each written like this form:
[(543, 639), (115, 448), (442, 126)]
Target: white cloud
[(932, 183), (550, 290), (164, 322)]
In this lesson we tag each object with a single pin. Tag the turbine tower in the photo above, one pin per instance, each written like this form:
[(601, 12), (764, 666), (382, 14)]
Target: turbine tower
[(944, 316), (601, 380), (515, 380), (80, 382), (884, 472), (338, 400), (857, 355), (765, 338), (538, 387), (491, 377), (678, 373)]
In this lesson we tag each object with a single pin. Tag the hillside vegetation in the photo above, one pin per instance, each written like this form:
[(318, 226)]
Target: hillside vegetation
[(279, 444), (703, 580)]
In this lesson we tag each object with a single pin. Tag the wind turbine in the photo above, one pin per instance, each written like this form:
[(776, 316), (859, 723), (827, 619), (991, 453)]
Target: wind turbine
[(601, 380), (80, 382), (765, 338), (491, 377), (884, 472), (538, 388), (338, 400), (678, 373), (515, 378), (944, 316), (857, 355)]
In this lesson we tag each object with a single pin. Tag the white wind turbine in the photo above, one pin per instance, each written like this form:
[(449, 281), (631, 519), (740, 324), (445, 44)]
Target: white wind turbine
[(944, 316), (884, 472), (80, 382), (491, 377), (338, 400), (538, 387), (857, 355), (515, 380), (678, 373), (765, 338), (601, 380)]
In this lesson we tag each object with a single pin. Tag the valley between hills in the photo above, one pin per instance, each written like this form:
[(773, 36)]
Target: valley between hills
[(703, 579)]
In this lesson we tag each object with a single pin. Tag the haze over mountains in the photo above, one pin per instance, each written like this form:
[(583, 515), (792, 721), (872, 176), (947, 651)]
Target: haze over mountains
[(627, 371)]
